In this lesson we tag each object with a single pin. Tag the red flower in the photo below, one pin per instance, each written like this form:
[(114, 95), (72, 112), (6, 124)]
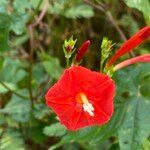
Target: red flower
[(142, 58), (82, 50), (133, 42), (82, 98)]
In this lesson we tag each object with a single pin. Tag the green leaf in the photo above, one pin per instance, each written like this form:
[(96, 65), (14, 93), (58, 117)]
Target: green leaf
[(71, 9), (145, 87), (22, 5), (141, 5), (135, 128), (4, 90), (38, 72), (134, 77), (3, 6), (1, 62), (54, 130), (95, 135), (20, 40), (16, 73), (16, 17), (2, 120), (20, 16), (12, 140), (36, 4), (4, 31), (111, 127), (83, 135), (18, 22), (52, 66), (18, 108), (49, 68), (146, 145), (40, 111), (79, 11)]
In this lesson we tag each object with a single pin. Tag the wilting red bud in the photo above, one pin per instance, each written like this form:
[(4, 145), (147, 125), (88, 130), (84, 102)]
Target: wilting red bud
[(82, 50), (133, 42), (143, 58)]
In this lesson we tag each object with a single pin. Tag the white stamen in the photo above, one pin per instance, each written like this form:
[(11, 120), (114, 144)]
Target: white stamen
[(91, 107), (88, 107)]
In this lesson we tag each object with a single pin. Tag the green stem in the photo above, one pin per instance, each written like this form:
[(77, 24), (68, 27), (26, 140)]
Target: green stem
[(8, 88), (111, 19), (31, 66), (67, 62), (101, 65)]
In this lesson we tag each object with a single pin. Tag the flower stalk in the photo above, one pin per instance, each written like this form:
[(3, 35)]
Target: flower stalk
[(143, 58), (106, 48)]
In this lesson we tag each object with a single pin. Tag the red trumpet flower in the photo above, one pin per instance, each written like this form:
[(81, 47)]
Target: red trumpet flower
[(133, 42), (82, 98)]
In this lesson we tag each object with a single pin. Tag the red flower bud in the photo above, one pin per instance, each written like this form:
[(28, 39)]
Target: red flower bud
[(143, 58), (133, 42), (82, 50)]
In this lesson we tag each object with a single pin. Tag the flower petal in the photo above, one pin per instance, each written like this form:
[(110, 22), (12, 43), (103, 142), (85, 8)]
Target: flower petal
[(82, 78), (98, 88), (133, 42), (58, 95), (99, 118)]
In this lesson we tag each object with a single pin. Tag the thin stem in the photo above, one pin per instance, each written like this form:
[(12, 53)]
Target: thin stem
[(14, 92), (31, 66), (42, 14), (31, 30), (122, 35), (111, 19), (101, 66), (67, 62), (98, 7)]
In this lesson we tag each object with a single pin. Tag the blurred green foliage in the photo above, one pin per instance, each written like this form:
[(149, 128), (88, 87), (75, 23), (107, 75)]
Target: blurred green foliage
[(31, 61)]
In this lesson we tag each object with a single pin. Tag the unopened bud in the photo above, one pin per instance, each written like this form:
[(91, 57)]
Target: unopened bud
[(82, 50), (68, 47)]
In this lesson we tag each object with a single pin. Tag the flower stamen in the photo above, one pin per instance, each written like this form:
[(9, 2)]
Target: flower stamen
[(87, 106)]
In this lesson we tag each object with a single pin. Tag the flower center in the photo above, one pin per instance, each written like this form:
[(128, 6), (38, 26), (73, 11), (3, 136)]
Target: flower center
[(87, 106)]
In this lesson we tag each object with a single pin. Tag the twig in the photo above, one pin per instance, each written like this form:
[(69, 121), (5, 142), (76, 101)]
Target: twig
[(111, 19), (123, 37), (42, 14), (8, 88), (31, 30), (98, 7), (31, 65)]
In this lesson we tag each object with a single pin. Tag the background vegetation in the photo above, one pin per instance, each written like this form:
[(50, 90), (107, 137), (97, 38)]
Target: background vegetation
[(31, 60)]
